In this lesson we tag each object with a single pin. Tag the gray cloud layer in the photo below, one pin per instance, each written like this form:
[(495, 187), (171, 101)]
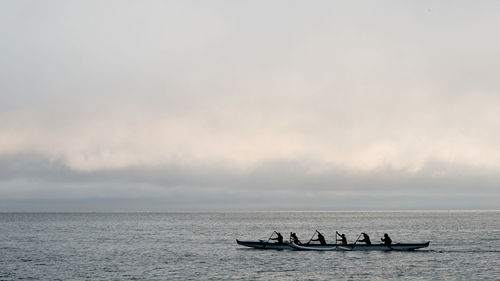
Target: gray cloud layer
[(223, 104), (28, 182)]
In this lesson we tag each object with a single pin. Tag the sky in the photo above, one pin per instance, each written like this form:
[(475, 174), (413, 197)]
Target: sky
[(249, 105)]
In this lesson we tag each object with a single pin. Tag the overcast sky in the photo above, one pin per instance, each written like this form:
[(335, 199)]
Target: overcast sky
[(259, 105)]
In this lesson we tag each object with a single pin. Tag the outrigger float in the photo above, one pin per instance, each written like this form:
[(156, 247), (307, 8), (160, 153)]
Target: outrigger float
[(362, 247), (290, 245)]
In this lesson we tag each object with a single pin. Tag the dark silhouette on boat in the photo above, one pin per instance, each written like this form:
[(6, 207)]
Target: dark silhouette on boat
[(386, 239), (294, 238), (366, 239), (343, 239), (320, 239)]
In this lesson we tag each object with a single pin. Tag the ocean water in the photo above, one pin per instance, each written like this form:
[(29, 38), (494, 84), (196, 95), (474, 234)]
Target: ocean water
[(201, 246)]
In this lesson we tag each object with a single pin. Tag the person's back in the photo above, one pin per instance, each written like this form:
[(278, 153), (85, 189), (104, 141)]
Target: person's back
[(295, 239), (321, 239), (366, 239), (280, 238), (344, 239)]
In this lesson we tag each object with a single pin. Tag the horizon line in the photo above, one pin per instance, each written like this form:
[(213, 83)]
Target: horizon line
[(246, 211)]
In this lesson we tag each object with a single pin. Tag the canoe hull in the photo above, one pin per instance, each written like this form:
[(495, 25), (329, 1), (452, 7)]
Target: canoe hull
[(262, 244)]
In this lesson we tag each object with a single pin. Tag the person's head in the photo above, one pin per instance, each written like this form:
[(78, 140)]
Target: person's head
[(385, 234)]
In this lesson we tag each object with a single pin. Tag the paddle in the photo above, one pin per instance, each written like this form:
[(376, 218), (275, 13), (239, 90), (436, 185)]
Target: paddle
[(311, 237), (337, 233), (268, 240), (357, 239)]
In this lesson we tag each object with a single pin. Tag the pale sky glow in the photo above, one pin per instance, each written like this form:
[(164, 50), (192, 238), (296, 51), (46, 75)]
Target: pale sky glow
[(180, 105)]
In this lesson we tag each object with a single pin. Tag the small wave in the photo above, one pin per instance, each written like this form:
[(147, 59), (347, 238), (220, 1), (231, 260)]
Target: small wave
[(464, 251)]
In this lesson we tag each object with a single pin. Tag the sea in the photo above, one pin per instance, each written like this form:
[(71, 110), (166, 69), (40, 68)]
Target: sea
[(465, 245)]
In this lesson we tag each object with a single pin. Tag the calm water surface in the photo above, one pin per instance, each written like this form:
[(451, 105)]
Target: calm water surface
[(201, 246)]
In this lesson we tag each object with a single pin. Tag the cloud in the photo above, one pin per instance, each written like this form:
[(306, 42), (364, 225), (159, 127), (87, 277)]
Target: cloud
[(172, 100), (268, 185)]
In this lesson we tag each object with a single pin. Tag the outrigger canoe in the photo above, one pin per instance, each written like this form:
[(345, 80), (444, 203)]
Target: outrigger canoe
[(262, 244)]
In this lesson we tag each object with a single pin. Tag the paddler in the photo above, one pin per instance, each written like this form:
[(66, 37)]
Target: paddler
[(279, 238), (387, 240), (343, 239), (366, 239), (321, 238), (294, 238)]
